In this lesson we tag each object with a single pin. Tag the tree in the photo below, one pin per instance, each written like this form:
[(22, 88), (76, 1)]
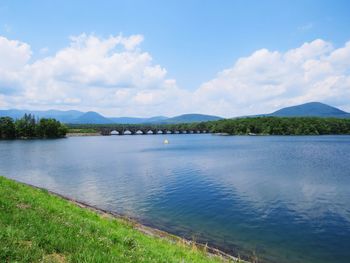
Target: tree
[(28, 127), (50, 128), (25, 127), (7, 128)]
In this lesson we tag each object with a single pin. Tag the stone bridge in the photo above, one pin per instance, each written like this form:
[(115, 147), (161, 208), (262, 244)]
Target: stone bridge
[(144, 130)]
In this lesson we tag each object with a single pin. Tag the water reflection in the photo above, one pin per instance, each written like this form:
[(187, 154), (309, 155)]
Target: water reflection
[(286, 198)]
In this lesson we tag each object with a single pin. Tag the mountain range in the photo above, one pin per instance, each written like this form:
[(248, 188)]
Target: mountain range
[(315, 109), (91, 117)]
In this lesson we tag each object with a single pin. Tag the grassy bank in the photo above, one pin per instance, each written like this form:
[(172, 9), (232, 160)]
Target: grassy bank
[(77, 130), (82, 132), (36, 226)]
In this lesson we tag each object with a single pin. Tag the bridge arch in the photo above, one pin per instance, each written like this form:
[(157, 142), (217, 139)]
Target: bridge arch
[(114, 132), (127, 132)]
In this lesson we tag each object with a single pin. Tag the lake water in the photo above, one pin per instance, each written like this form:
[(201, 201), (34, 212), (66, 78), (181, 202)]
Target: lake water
[(285, 199)]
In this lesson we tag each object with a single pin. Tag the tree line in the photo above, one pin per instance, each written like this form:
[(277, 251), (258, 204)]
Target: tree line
[(244, 126), (282, 126), (29, 127)]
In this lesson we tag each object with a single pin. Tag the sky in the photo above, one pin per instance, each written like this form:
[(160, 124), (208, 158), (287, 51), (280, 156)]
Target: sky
[(148, 58)]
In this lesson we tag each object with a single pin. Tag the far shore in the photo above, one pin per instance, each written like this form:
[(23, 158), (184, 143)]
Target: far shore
[(83, 134)]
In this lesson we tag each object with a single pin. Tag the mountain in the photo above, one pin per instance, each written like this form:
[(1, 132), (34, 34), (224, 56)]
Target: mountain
[(156, 119), (314, 109), (91, 117), (62, 116), (78, 117), (187, 118), (133, 120)]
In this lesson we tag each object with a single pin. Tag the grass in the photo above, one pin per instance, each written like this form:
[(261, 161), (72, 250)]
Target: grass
[(76, 130), (36, 226)]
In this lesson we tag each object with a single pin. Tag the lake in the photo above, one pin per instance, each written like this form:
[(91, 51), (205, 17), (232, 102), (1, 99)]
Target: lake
[(283, 198)]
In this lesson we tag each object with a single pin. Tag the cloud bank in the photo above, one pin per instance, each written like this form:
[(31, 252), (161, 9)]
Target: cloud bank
[(115, 77)]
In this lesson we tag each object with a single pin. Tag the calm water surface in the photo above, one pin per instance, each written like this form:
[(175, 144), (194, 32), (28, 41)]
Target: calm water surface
[(286, 199)]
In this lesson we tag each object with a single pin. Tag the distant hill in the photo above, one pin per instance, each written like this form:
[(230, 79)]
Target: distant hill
[(187, 118), (92, 117), (133, 120), (314, 109), (62, 116)]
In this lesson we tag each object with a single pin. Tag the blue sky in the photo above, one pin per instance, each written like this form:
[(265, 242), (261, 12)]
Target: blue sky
[(192, 40)]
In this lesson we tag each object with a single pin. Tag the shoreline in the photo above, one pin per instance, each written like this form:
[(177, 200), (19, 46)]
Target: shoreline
[(221, 134), (81, 134), (146, 230)]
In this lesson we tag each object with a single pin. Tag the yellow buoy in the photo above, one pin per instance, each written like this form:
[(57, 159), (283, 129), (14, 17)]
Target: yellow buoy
[(166, 141)]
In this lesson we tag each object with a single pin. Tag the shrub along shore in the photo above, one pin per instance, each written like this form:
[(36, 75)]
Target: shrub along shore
[(39, 226)]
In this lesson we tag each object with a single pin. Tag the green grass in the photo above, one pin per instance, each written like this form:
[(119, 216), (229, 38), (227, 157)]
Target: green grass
[(36, 226), (76, 130)]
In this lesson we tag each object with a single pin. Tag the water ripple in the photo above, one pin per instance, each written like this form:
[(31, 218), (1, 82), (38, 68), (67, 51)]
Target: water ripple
[(285, 198)]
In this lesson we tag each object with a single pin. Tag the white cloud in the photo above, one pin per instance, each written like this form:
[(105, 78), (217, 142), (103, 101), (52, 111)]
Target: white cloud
[(14, 54), (115, 77), (110, 75), (268, 80)]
